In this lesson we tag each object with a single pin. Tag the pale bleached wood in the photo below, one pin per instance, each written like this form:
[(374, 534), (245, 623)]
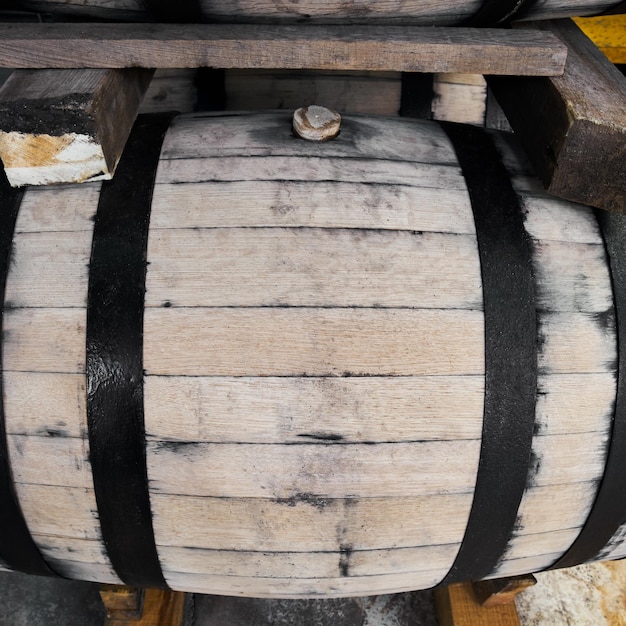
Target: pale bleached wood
[(270, 134), (459, 98), (90, 572), (67, 126), (575, 342), (568, 459), (427, 12), (392, 48), (529, 545), (79, 550), (242, 342), (553, 219), (60, 461), (306, 564), (58, 209), (317, 204), (45, 340), (60, 512), (346, 170), (321, 470), (290, 410), (289, 588), (575, 403), (308, 267), (376, 93), (54, 266), (41, 404), (309, 524), (568, 507), (517, 567), (572, 277)]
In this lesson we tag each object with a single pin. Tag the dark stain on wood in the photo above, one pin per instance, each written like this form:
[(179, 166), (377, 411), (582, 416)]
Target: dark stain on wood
[(55, 116), (316, 501), (329, 437), (53, 432), (345, 552)]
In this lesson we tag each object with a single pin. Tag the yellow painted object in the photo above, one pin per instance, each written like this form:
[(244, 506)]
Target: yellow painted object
[(608, 33)]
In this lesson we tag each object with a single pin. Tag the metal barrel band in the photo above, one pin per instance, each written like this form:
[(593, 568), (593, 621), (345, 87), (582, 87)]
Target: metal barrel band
[(505, 252), (115, 309)]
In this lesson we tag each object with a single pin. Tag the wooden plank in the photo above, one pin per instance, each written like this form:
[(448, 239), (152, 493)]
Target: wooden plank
[(573, 127), (326, 470), (306, 268), (160, 608), (315, 342), (457, 606), (428, 12), (392, 48), (67, 126), (608, 33), (499, 591)]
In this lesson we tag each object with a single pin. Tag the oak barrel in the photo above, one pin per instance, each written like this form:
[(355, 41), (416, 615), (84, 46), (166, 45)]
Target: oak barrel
[(441, 12), (366, 366)]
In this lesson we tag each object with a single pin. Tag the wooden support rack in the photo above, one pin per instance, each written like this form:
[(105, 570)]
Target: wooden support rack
[(397, 48)]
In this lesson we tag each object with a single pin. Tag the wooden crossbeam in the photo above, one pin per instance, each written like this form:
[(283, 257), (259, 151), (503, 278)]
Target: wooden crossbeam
[(573, 126), (407, 49), (66, 126)]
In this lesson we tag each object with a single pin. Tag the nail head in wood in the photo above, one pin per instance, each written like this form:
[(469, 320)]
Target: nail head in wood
[(316, 123)]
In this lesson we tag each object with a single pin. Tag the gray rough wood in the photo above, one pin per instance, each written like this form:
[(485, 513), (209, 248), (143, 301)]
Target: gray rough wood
[(573, 127), (392, 48), (64, 126)]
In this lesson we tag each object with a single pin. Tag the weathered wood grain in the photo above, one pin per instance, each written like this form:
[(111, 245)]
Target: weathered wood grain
[(428, 12), (573, 127), (67, 126), (391, 48)]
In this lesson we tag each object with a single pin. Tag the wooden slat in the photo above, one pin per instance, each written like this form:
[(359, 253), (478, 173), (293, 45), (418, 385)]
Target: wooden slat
[(206, 135), (313, 204), (307, 523), (338, 342), (391, 48), (67, 126), (160, 608), (288, 588), (308, 268), (325, 470), (279, 168), (295, 410), (573, 126)]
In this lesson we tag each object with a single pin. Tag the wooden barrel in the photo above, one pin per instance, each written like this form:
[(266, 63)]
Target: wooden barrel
[(360, 367), (444, 12)]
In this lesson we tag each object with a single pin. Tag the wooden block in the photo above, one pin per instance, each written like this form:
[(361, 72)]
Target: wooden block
[(161, 608), (457, 606), (390, 48), (66, 126), (499, 591), (573, 127), (608, 33), (122, 603)]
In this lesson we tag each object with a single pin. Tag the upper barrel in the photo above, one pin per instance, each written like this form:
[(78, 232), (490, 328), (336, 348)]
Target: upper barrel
[(254, 365), (436, 12)]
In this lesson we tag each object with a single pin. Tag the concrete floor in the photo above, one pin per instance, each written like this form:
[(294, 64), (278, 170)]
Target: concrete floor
[(34, 601)]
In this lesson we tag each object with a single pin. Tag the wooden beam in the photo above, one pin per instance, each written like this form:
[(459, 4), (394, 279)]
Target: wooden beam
[(127, 606), (457, 606), (499, 591), (573, 127), (64, 126), (407, 49)]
